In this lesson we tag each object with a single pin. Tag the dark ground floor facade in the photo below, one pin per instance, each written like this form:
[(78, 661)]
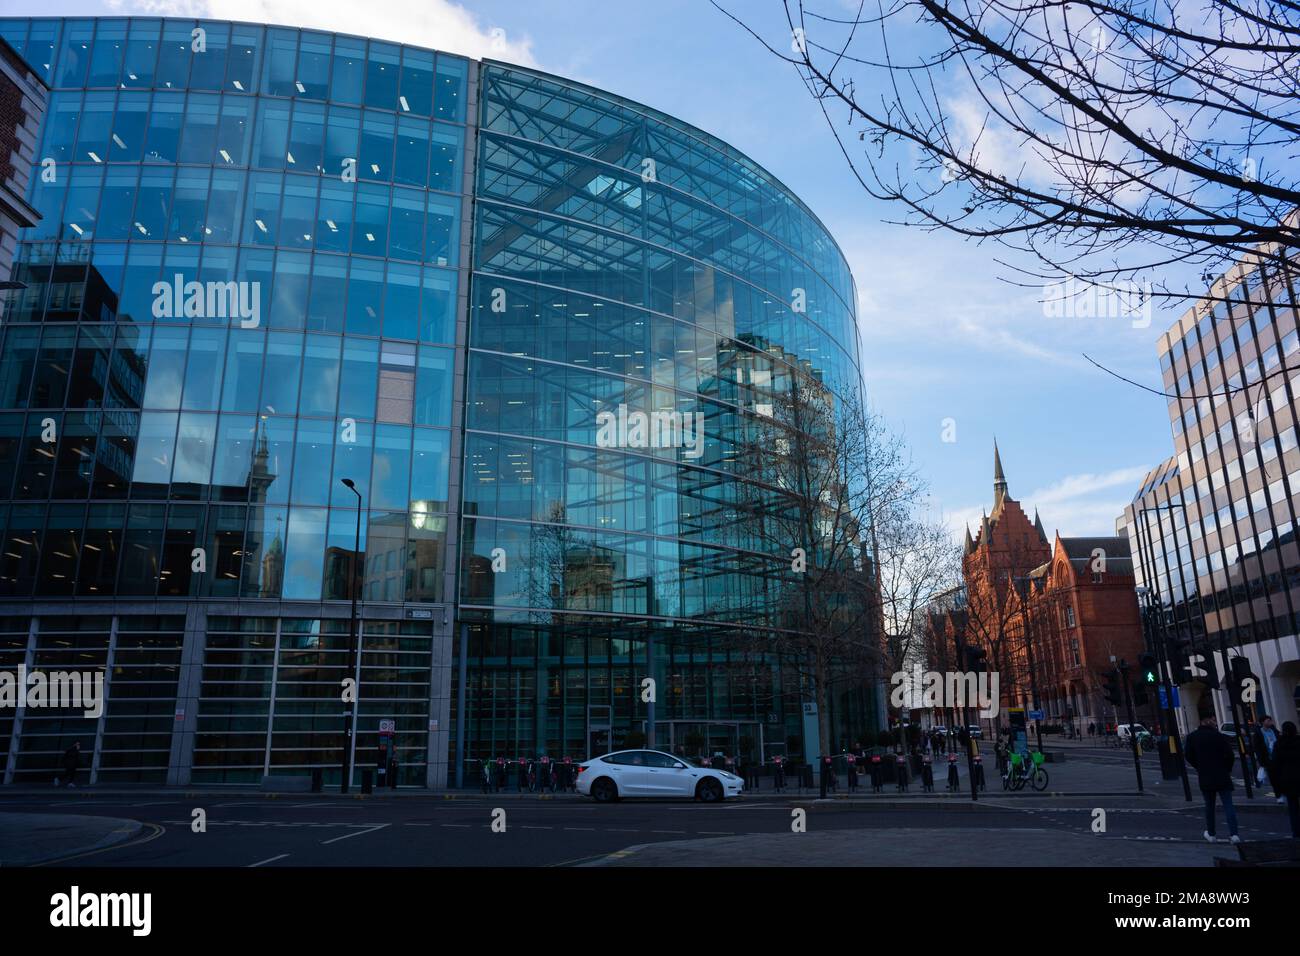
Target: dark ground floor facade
[(230, 692)]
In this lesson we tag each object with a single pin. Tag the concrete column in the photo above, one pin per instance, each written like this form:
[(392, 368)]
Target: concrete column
[(439, 774), (188, 685), (11, 758), (108, 691)]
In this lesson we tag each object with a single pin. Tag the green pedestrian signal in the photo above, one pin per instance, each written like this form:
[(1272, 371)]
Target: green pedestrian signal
[(1147, 663)]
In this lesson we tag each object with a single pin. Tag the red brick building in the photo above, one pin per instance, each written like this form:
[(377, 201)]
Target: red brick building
[(1049, 615), (1082, 614), (995, 564)]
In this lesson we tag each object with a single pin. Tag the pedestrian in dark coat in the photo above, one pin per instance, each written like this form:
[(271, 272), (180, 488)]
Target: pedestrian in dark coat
[(1209, 752), (1286, 773), (72, 762)]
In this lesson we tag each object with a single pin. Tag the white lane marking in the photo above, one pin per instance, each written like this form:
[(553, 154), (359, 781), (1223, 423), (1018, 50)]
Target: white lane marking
[(156, 803), (580, 828), (525, 827), (458, 826), (268, 860), (348, 836)]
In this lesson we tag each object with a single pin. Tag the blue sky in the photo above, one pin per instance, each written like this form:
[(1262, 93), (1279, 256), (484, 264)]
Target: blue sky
[(942, 336)]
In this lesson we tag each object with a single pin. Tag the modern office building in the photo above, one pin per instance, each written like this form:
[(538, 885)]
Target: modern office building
[(1213, 528), (536, 325)]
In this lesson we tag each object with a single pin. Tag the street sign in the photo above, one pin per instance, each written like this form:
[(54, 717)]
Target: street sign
[(1035, 715), (387, 726), (1164, 698)]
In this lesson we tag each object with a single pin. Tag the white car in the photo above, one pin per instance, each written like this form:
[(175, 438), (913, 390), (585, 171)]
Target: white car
[(652, 773)]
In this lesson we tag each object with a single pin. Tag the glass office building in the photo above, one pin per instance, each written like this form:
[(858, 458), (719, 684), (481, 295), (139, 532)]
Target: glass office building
[(271, 259), (1214, 526)]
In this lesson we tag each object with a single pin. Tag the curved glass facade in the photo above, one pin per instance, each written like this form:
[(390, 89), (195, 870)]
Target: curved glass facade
[(257, 274), (626, 263)]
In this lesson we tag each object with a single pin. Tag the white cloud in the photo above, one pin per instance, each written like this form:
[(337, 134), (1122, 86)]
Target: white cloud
[(1076, 486), (438, 24)]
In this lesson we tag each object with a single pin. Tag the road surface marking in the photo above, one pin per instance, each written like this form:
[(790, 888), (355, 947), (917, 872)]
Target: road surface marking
[(347, 836), (271, 859)]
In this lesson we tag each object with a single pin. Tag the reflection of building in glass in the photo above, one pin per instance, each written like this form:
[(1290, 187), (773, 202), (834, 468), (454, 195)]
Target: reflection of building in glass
[(22, 105), (1212, 529), (195, 464)]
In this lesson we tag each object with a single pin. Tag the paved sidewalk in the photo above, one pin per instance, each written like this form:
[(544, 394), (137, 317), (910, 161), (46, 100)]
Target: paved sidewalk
[(916, 847), (30, 838)]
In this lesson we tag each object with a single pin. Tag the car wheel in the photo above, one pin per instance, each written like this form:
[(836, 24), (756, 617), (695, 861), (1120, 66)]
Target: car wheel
[(709, 790), (604, 791)]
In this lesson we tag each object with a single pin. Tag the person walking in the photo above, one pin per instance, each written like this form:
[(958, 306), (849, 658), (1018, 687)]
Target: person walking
[(1285, 773), (1210, 754), (1262, 741), (72, 762)]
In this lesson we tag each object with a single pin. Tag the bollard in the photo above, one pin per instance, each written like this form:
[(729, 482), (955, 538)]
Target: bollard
[(317, 780), (367, 781)]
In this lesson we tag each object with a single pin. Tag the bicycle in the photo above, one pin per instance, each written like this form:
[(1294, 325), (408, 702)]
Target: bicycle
[(1019, 773)]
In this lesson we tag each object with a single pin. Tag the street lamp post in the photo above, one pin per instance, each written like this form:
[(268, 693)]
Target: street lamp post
[(1023, 583), (350, 713), (1157, 643)]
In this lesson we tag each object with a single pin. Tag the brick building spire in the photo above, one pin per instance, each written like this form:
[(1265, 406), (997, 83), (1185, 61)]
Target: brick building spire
[(999, 479)]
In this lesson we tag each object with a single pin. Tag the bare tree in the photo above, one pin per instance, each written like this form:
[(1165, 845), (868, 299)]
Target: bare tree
[(916, 562), (995, 617), (837, 497), (1101, 141)]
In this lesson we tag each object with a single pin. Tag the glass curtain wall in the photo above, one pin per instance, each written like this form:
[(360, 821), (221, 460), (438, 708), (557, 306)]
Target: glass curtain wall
[(626, 261)]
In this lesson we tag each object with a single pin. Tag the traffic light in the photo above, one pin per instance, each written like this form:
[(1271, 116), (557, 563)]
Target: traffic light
[(1112, 691), (1242, 678), (1188, 664), (1148, 670)]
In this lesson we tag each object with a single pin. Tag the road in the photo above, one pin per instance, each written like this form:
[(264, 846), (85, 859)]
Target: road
[(253, 830)]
